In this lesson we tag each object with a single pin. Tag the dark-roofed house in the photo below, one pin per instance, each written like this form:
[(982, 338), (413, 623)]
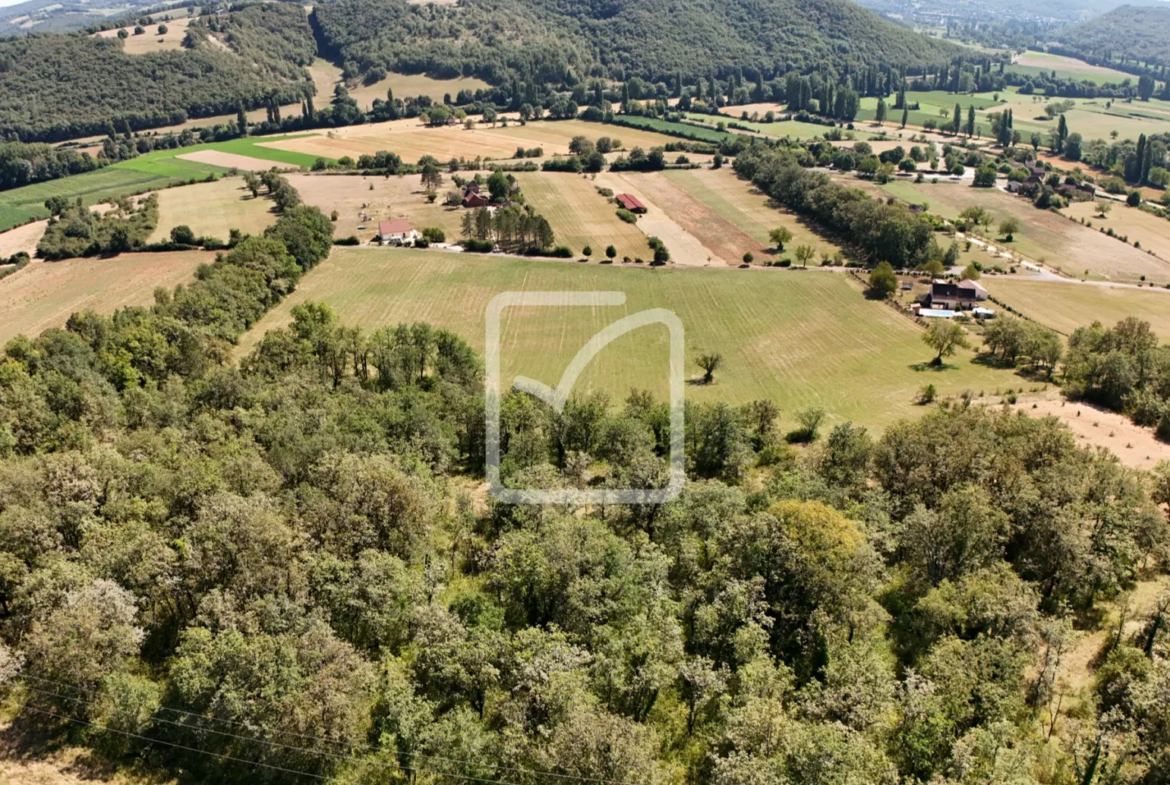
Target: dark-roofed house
[(472, 197), (631, 203), (396, 231), (954, 296)]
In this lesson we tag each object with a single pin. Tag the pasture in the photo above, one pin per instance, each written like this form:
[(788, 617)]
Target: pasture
[(44, 294), (212, 209), (412, 140), (1045, 236), (1065, 306), (390, 197), (800, 338)]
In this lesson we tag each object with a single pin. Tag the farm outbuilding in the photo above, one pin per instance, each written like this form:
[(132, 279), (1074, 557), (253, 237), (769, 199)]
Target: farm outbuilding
[(631, 203)]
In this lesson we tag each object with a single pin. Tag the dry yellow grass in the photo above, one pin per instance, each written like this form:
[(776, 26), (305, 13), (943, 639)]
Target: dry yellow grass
[(747, 208), (1065, 306), (1150, 230), (212, 209), (22, 238), (44, 294), (393, 197), (411, 140), (151, 41), (581, 216), (229, 160)]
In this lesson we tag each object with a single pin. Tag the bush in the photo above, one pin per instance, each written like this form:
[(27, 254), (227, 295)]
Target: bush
[(477, 246), (562, 252), (351, 240), (627, 216), (433, 234)]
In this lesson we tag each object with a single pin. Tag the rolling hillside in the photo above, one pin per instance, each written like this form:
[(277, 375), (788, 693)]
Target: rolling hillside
[(1141, 32), (652, 39)]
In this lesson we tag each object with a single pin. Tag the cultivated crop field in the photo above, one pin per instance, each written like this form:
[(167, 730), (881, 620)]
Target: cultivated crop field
[(412, 140), (212, 209), (390, 197), (747, 209), (44, 294), (1066, 306), (800, 338), (1045, 236)]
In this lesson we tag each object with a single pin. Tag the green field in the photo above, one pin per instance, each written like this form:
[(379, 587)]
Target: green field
[(1067, 68), (800, 338), (688, 130), (930, 107), (781, 128), (149, 172)]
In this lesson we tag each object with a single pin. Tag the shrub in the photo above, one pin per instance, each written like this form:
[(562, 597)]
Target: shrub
[(627, 216), (351, 240), (433, 234), (477, 246)]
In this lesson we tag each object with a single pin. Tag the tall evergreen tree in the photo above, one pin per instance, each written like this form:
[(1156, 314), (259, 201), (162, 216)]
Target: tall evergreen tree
[(970, 121)]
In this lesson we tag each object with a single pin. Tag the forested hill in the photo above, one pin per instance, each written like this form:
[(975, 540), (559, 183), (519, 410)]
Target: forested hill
[(1141, 32), (652, 39), (63, 86)]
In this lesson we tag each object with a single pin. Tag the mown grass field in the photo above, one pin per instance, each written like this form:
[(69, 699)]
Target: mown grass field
[(44, 294), (579, 215), (1045, 236), (1067, 306), (212, 209), (930, 107), (794, 129), (1036, 63), (800, 338)]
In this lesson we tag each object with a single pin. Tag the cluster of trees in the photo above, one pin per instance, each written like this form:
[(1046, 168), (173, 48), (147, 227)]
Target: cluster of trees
[(21, 164), (515, 228), (1011, 340), (879, 230), (1124, 368), (75, 230), (1134, 35), (272, 563), (46, 81)]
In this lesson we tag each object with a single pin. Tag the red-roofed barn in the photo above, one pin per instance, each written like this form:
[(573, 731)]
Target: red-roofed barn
[(631, 203)]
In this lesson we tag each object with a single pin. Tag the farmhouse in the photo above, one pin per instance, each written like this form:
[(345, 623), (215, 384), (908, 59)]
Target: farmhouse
[(396, 231), (948, 295), (631, 203), (472, 197)]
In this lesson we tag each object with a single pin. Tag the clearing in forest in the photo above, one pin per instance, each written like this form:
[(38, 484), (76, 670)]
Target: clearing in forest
[(44, 294), (152, 40), (800, 338)]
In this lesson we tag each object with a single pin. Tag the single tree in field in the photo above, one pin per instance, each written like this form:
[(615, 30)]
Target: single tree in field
[(945, 337), (162, 29), (610, 253), (748, 257), (880, 115), (587, 251), (1008, 228), (780, 236), (252, 183), (804, 253), (882, 281), (709, 362), (905, 115), (431, 178), (810, 422), (1103, 208)]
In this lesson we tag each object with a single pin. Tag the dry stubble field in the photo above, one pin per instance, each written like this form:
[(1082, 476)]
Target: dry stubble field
[(580, 216), (1065, 306), (800, 338), (412, 140), (1150, 230), (212, 209), (44, 294)]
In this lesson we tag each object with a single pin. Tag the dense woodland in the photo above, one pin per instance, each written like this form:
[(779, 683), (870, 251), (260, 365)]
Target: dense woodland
[(56, 87), (280, 562), (655, 40), (1129, 34)]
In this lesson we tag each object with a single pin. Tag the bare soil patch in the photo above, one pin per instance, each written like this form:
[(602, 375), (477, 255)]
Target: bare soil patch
[(1133, 445), (22, 238), (229, 160), (685, 248)]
